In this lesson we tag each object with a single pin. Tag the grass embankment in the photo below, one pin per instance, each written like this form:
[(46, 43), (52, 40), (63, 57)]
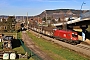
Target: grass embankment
[(19, 49), (55, 51)]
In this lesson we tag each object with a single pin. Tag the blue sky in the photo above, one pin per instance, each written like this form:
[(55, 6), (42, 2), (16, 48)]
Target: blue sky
[(35, 7)]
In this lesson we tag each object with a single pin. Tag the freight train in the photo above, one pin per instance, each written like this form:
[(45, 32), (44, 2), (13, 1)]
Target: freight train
[(68, 36)]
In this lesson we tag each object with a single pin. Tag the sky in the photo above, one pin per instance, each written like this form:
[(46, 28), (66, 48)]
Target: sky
[(35, 7)]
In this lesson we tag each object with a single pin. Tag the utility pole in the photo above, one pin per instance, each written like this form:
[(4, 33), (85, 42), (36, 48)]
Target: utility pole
[(23, 18), (81, 10), (45, 15), (83, 27), (27, 20)]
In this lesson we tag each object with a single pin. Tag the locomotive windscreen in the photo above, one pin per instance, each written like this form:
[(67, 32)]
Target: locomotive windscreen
[(74, 35)]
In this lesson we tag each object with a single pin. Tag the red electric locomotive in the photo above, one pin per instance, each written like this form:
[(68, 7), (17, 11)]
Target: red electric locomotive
[(66, 35)]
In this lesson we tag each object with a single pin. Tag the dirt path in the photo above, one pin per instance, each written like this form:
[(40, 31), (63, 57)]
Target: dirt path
[(30, 44)]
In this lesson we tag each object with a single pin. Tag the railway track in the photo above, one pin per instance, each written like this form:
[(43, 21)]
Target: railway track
[(86, 47), (80, 48)]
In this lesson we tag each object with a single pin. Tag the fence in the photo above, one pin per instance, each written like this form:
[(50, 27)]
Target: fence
[(29, 52)]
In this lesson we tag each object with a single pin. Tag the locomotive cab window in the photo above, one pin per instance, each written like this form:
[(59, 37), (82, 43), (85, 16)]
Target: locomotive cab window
[(74, 35)]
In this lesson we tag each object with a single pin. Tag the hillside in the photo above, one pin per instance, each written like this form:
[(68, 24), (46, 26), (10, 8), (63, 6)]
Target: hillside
[(56, 13)]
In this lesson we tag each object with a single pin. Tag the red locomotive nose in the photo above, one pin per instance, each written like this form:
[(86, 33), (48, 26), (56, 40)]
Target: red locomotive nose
[(74, 36)]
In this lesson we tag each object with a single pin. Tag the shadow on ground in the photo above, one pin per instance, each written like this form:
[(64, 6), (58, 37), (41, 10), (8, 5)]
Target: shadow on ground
[(16, 43)]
